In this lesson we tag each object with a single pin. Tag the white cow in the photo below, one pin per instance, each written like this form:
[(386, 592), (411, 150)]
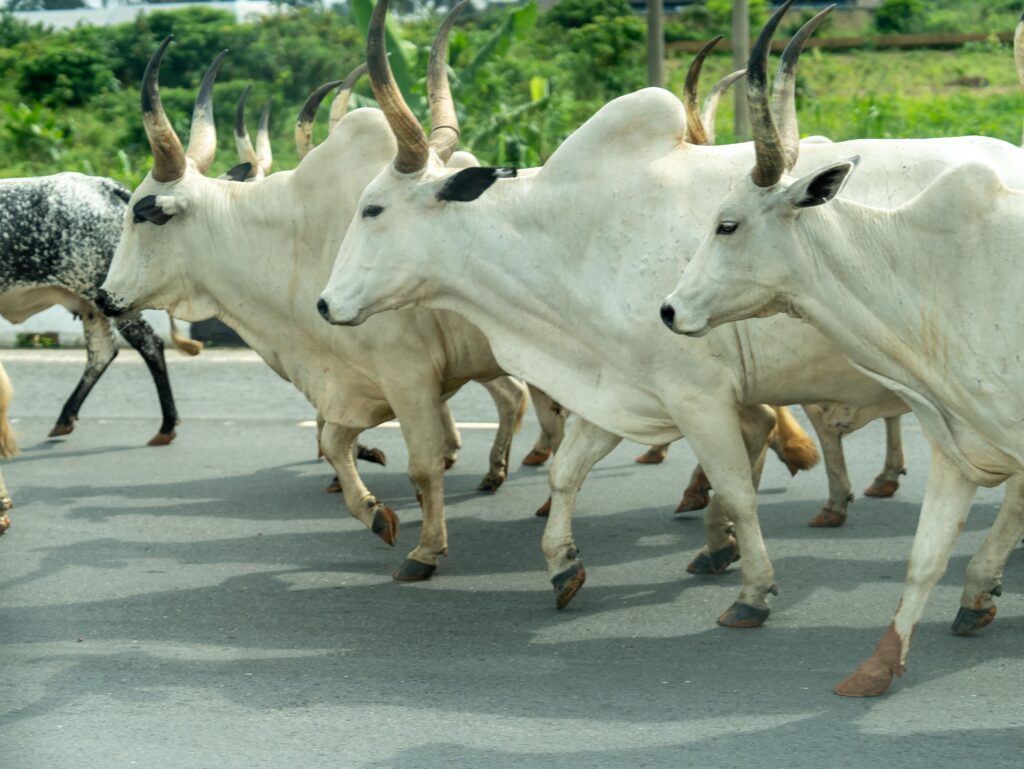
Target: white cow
[(257, 254), (8, 446), (925, 300), (561, 268)]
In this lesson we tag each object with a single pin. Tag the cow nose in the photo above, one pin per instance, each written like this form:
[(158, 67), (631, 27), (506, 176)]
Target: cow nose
[(321, 307), (668, 314), (106, 305)]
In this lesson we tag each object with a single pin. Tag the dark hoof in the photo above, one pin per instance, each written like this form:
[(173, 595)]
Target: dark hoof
[(385, 524), (371, 455), (828, 519), (414, 571), (334, 487), (693, 500), (536, 458), (743, 615), (491, 483), (568, 583), (969, 620), (715, 563), (881, 488), (652, 457), (162, 439), (61, 430), (544, 510)]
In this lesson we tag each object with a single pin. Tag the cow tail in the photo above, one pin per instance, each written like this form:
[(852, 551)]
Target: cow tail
[(182, 343), (524, 404), (794, 446), (8, 444)]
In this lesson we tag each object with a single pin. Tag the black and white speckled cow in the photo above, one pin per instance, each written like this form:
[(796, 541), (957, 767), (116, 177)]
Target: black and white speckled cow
[(58, 235)]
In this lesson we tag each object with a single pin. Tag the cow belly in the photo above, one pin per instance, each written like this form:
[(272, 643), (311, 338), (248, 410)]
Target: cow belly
[(19, 304)]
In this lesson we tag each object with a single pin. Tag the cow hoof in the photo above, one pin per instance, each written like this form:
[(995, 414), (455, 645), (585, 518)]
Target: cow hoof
[(651, 457), (693, 500), (869, 680), (162, 439), (334, 487), (969, 620), (568, 583), (536, 458), (828, 518), (716, 562), (385, 524), (376, 456), (491, 482), (743, 615), (882, 488), (60, 430), (412, 570), (544, 510)]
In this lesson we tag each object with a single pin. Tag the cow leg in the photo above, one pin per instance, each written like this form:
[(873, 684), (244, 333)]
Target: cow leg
[(840, 492), (585, 444), (336, 442), (100, 352), (731, 450), (551, 417), (888, 481), (452, 439), (420, 413), (947, 501), (512, 399), (985, 571), (655, 455), (141, 336)]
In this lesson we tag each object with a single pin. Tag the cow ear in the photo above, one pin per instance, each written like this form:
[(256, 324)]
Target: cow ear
[(821, 186), (470, 183), (239, 173), (148, 209)]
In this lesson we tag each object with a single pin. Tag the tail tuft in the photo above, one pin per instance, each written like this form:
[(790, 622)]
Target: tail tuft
[(794, 446), (183, 344)]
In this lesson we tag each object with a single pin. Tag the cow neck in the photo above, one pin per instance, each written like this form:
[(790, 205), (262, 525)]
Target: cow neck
[(898, 323)]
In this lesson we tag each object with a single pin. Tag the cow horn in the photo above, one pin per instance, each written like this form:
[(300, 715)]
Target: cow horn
[(168, 155), (771, 158), (202, 140), (707, 116), (444, 123), (413, 150), (784, 88), (304, 125), (695, 127), (340, 104), (264, 154), (246, 154)]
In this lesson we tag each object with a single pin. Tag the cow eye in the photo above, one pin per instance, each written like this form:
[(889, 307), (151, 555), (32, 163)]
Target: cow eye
[(727, 227), (371, 211)]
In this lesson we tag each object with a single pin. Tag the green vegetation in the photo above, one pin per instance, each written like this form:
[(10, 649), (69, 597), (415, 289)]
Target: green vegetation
[(523, 80)]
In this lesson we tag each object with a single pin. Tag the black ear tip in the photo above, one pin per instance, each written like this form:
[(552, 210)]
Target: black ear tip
[(470, 183)]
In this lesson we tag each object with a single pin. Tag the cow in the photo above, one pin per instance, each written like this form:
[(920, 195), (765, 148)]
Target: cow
[(257, 254), (560, 267), (58, 235), (924, 300), (8, 446)]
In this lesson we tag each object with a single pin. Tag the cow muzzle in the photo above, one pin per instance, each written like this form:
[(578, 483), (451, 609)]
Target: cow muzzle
[(683, 323), (336, 318)]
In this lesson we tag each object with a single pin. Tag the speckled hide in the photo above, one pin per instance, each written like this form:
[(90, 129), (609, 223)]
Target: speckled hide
[(58, 235)]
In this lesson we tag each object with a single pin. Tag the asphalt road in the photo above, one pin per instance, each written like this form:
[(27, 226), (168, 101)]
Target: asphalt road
[(208, 605)]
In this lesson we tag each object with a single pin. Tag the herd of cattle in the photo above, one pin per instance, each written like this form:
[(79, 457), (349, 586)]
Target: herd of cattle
[(388, 269)]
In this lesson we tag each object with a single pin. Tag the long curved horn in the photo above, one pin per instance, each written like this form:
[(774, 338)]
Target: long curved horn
[(784, 88), (264, 154), (771, 158), (340, 104), (246, 154), (304, 125), (707, 115), (444, 123), (695, 130), (413, 150), (202, 140), (168, 155)]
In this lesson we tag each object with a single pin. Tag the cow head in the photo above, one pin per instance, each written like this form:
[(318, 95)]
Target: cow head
[(144, 267), (383, 262)]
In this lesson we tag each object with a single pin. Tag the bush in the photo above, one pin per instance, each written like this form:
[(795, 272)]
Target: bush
[(577, 13), (900, 16)]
